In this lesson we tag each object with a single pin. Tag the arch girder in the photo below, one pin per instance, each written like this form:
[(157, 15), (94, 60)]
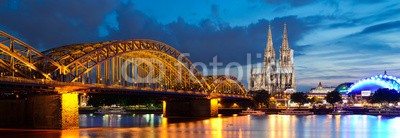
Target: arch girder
[(120, 47), (19, 51), (226, 80)]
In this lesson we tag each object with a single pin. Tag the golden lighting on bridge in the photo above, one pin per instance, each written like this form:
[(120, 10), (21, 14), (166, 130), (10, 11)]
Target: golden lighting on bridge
[(112, 63), (117, 66), (69, 110)]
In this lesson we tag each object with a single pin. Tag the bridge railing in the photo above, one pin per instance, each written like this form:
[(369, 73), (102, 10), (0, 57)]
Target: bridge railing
[(41, 81), (83, 85), (57, 83)]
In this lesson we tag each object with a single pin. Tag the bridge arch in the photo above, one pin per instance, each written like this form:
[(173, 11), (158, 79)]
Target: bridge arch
[(77, 61), (21, 59), (102, 62), (226, 84)]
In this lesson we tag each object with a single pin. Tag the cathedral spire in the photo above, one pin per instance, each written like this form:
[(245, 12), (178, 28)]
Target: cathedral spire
[(285, 43), (270, 46), (269, 53), (286, 54)]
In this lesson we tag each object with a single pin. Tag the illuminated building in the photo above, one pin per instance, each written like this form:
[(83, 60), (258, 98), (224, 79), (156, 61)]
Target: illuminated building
[(367, 86), (275, 76), (320, 91), (342, 88)]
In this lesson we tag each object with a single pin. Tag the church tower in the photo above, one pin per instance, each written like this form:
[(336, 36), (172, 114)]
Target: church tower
[(285, 58), (269, 52), (269, 63), (276, 77), (286, 79)]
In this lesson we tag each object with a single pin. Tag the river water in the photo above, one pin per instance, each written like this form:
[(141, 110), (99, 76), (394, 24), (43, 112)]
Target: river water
[(154, 125)]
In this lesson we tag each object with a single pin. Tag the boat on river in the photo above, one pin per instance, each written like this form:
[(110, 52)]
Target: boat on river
[(294, 112), (252, 112), (113, 109), (341, 112)]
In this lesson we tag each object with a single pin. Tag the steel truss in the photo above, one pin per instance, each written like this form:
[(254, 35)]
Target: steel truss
[(137, 64)]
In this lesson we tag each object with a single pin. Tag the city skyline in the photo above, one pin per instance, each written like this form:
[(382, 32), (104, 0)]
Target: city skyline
[(333, 42)]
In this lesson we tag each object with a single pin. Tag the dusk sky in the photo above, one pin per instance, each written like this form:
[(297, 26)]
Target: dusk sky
[(334, 42)]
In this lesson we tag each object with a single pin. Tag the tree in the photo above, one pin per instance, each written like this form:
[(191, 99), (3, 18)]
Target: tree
[(272, 101), (261, 97), (299, 97), (384, 95), (333, 97)]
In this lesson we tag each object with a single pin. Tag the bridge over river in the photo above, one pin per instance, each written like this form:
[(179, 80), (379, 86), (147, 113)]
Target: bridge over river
[(53, 79)]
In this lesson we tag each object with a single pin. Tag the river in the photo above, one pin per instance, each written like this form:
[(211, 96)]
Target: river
[(154, 125)]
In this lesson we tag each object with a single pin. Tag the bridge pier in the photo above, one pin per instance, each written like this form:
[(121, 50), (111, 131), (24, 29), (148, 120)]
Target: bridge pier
[(59, 111), (47, 111), (191, 108)]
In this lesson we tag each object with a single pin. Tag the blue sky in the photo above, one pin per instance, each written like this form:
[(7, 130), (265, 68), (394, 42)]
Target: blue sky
[(334, 42)]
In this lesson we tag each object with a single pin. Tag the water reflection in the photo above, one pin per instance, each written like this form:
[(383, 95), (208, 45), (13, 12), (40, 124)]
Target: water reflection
[(111, 120), (154, 125)]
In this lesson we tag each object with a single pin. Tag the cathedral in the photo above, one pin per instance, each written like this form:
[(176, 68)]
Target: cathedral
[(276, 75)]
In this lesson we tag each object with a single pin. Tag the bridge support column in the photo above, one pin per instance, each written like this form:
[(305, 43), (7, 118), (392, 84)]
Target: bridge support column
[(191, 108), (47, 111), (59, 111)]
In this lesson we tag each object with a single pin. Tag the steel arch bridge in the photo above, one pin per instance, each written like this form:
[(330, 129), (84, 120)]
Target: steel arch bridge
[(224, 84), (131, 64)]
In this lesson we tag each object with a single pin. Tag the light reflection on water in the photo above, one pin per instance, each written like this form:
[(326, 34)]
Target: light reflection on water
[(154, 125), (150, 125), (112, 120)]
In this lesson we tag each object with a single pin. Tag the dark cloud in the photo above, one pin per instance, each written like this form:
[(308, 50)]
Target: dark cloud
[(133, 24), (294, 3), (382, 27), (51, 23), (335, 4), (390, 12), (367, 1), (332, 77), (210, 37)]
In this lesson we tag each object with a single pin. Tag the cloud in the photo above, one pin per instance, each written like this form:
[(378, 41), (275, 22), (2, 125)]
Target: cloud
[(48, 23), (293, 3), (110, 23), (382, 27)]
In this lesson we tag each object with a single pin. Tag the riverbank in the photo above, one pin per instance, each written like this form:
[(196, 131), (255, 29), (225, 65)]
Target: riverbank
[(134, 111), (227, 111), (231, 111), (360, 111)]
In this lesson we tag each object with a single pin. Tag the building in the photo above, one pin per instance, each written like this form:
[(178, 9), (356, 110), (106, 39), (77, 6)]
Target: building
[(368, 86), (276, 76), (342, 88), (320, 91)]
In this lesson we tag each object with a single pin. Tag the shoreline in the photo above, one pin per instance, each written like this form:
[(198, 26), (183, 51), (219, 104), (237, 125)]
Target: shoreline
[(230, 111)]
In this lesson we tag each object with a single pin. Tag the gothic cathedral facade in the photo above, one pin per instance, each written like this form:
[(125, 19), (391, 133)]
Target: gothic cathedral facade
[(275, 76)]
